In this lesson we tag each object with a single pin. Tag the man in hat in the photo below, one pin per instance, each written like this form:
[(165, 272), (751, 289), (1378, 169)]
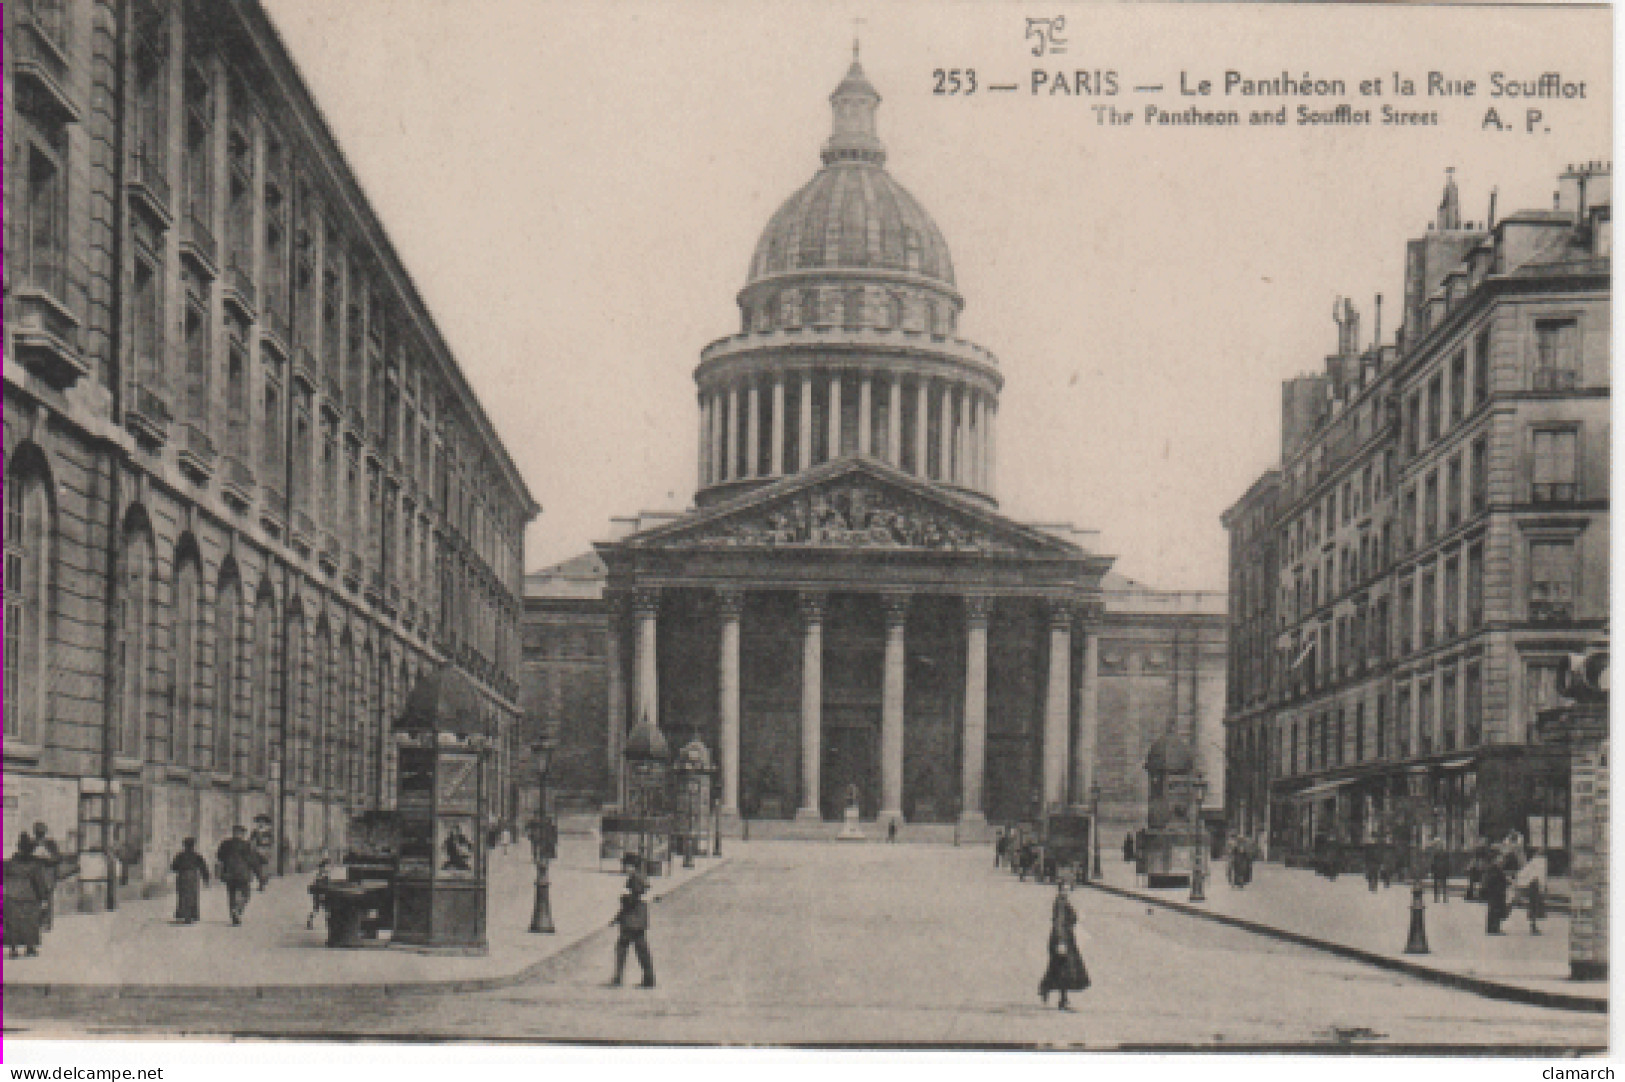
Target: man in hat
[(49, 858), (261, 841), (634, 921), (236, 862)]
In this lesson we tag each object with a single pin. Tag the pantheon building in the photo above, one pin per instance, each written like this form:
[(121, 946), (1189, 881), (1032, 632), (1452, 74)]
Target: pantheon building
[(845, 612)]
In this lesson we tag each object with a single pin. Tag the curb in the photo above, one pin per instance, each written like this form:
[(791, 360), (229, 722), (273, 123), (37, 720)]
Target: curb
[(1482, 986), (272, 991)]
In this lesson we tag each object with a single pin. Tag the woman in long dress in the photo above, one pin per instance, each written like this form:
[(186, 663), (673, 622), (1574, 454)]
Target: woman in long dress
[(26, 888), (191, 875), (1065, 972)]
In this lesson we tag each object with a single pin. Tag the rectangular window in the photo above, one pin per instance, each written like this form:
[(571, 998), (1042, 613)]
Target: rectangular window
[(237, 401), (1430, 506), (1424, 717), (148, 319), (1379, 632), (271, 444), (1555, 467), (199, 160), (1452, 597), (1472, 707), (1557, 354), (1359, 732), (1435, 407), (1413, 426), (1551, 580), (1480, 494), (1539, 693), (1348, 501), (1452, 493), (197, 360), (1402, 722), (1447, 709), (1407, 617), (43, 249), (1428, 607), (1365, 488), (1382, 727), (1475, 587), (1410, 519), (1458, 388), (1481, 368)]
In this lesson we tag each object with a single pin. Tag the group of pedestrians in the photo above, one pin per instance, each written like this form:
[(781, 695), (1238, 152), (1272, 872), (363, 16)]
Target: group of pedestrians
[(31, 876), (237, 862)]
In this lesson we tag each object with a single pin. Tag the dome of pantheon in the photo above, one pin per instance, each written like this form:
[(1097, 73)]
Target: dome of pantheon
[(850, 309)]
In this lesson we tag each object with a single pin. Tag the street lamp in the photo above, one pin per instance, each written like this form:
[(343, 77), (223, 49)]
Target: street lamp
[(1198, 792), (543, 838), (1094, 826)]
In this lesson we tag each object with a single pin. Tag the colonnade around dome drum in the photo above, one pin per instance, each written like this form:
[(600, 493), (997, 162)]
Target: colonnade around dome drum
[(778, 418)]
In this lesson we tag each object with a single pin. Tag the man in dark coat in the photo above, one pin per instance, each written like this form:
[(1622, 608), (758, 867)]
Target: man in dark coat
[(50, 861), (191, 875), (237, 862), (1441, 873), (27, 885), (634, 921), (1495, 895), (1373, 867), (1065, 972)]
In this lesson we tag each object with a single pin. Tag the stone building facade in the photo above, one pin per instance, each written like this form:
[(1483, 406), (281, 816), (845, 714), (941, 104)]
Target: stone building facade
[(845, 615), (1439, 545), (249, 494)]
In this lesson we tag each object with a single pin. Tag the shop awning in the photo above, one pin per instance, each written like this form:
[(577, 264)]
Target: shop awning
[(1456, 764), (1321, 789)]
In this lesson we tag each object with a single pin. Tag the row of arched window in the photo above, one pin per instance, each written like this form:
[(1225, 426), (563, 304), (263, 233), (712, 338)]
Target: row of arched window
[(201, 685)]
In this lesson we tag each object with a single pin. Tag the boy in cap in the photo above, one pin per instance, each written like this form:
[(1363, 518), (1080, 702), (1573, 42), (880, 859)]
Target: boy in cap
[(634, 921)]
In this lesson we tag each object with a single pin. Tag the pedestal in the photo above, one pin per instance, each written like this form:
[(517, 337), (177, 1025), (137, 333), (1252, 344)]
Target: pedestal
[(851, 831)]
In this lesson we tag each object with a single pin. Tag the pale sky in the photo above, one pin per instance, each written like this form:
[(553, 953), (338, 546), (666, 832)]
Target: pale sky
[(577, 189)]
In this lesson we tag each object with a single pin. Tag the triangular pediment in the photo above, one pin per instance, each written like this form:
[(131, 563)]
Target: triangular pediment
[(854, 505)]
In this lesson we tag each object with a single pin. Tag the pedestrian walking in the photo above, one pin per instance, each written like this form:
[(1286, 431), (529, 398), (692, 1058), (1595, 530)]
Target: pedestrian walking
[(1065, 971), (260, 839), (1387, 869), (1494, 888), (1373, 867), (1128, 848), (634, 921), (998, 847), (50, 861), (318, 891), (236, 862), (1440, 862), (1532, 878), (191, 875), (891, 832), (27, 886)]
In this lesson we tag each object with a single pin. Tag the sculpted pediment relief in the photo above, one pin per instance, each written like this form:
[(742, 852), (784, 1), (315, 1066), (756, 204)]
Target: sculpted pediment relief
[(856, 513)]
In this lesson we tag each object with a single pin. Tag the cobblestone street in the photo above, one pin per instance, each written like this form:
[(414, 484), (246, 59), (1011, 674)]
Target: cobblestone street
[(818, 943)]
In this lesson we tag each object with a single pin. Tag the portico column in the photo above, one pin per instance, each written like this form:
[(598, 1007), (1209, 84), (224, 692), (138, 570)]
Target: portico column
[(812, 703), (894, 422), (922, 428), (805, 429), (778, 425), (1083, 749), (975, 735), (730, 458), (730, 606), (866, 415), (834, 417), (646, 605), (753, 435), (945, 437), (891, 710), (1057, 702), (615, 603)]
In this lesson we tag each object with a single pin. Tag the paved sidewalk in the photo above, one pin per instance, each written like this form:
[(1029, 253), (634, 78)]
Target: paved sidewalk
[(139, 948), (1345, 914)]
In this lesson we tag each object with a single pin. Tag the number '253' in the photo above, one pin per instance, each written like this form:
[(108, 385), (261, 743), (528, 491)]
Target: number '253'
[(955, 80)]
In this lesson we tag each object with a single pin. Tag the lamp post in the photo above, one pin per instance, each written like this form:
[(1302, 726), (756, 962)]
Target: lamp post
[(543, 837), (1094, 826), (1198, 792)]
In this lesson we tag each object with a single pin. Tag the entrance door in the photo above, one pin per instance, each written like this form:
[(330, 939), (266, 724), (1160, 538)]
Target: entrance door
[(850, 758)]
